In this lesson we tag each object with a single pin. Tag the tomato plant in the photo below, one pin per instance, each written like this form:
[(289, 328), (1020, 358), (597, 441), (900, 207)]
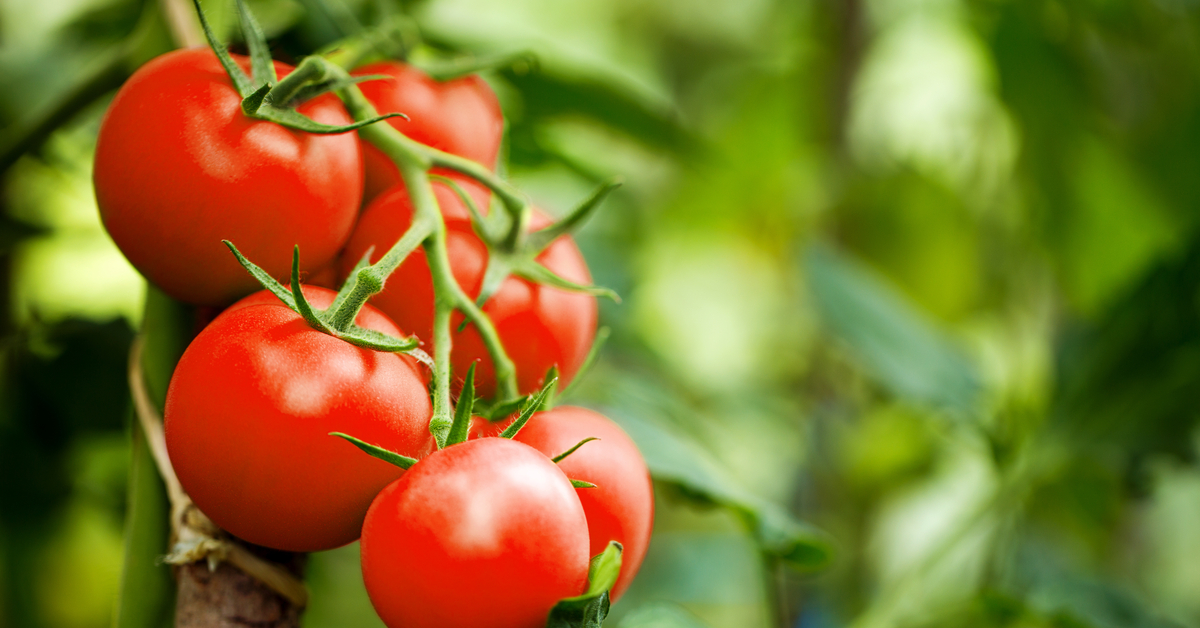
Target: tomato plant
[(460, 116), (541, 326), (248, 416), (179, 168), (483, 533)]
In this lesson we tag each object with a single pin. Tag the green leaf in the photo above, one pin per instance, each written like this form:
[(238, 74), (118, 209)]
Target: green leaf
[(531, 406), (582, 484), (266, 280), (402, 461), (520, 62), (590, 609), (897, 343), (674, 458)]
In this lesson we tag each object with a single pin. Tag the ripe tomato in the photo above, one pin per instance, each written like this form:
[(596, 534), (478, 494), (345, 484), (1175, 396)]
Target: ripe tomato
[(540, 326), (621, 505), (179, 167), (249, 411), (484, 533), (461, 116)]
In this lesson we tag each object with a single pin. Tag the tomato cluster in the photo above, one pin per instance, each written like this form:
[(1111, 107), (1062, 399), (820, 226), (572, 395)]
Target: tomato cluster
[(501, 518)]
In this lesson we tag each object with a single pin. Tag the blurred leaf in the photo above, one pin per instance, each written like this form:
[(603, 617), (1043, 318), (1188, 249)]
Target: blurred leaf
[(1129, 380), (660, 615), (675, 459), (546, 95), (896, 342)]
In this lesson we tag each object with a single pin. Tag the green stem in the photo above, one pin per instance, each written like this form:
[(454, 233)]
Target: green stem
[(369, 281), (512, 200), (311, 69), (414, 160)]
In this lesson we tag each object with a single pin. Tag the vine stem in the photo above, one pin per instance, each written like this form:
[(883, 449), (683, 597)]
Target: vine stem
[(414, 160), (196, 536)]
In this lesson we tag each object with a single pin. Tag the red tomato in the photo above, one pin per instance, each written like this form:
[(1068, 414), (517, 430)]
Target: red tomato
[(461, 116), (540, 326), (621, 505), (179, 168), (248, 416), (483, 533)]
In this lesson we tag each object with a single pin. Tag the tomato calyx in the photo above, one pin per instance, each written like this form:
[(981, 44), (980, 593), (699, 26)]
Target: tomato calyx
[(591, 608), (513, 251), (338, 319), (264, 96)]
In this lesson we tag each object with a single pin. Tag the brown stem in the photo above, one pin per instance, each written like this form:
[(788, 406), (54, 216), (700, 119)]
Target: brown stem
[(222, 582)]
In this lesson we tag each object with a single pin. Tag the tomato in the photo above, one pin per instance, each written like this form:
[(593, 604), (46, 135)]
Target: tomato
[(179, 167), (461, 116), (249, 411), (540, 326), (621, 505), (484, 533)]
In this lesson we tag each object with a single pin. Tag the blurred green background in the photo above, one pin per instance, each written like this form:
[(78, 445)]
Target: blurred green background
[(924, 274)]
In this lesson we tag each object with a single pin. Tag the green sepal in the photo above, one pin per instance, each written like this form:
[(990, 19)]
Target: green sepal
[(559, 458), (241, 82), (351, 280), (260, 275), (499, 410), (532, 405), (582, 484), (256, 105), (462, 411), (590, 609), (537, 273), (500, 266), (400, 460), (260, 54), (540, 239), (521, 62), (378, 341), (602, 335), (303, 307), (480, 223), (296, 301)]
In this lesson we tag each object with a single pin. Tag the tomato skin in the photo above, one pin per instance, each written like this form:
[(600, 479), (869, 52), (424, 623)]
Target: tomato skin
[(461, 116), (621, 505), (249, 410), (540, 326), (179, 167), (483, 533)]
